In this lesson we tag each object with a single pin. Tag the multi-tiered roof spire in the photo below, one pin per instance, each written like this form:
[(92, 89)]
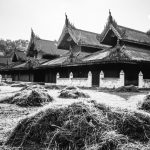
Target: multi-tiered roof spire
[(67, 22), (32, 33), (111, 20)]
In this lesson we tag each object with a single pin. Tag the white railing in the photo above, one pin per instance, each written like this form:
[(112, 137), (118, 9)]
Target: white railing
[(84, 82), (143, 83), (111, 82)]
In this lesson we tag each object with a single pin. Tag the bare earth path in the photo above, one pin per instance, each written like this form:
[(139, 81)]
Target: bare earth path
[(101, 97)]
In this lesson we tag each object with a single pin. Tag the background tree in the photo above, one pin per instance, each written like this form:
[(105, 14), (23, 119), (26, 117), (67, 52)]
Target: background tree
[(8, 46)]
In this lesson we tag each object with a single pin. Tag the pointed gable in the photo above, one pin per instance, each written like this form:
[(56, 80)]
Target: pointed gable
[(71, 35), (31, 47), (19, 55), (43, 47), (113, 31)]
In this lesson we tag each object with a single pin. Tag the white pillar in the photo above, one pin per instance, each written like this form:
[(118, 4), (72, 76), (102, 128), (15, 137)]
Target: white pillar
[(101, 76), (141, 81), (89, 79), (71, 75), (70, 78), (57, 77), (122, 78)]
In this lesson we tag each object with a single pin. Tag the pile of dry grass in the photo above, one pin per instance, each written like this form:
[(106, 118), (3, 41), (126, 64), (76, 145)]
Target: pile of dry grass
[(145, 105), (29, 96), (73, 127), (133, 124), (87, 126), (130, 88), (72, 92), (111, 140), (134, 146)]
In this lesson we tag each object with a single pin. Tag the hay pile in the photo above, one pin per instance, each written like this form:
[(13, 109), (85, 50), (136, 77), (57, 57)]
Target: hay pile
[(29, 96), (72, 92), (79, 126), (145, 105), (130, 88), (135, 125), (66, 127)]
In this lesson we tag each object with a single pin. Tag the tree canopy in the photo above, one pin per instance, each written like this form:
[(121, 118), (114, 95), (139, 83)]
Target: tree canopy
[(7, 46)]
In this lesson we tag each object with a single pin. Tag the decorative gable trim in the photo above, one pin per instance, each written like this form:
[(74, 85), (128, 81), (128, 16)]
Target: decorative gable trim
[(117, 54), (67, 27), (111, 27)]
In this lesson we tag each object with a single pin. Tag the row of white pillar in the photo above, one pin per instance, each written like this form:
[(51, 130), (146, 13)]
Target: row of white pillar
[(89, 79), (122, 78), (71, 75)]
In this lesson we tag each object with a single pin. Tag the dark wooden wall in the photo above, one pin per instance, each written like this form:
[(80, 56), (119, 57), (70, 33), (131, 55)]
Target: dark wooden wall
[(110, 70)]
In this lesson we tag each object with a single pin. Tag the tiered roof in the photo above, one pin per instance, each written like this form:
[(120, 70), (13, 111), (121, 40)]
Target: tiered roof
[(121, 53), (66, 60), (30, 64), (45, 46), (15, 58), (124, 33), (80, 37), (4, 60), (134, 35), (20, 55)]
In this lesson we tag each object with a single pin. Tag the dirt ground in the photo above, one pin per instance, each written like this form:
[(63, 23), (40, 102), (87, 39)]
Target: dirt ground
[(10, 114)]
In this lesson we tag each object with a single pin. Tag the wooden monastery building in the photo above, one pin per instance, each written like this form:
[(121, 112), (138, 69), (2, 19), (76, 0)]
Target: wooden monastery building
[(116, 57)]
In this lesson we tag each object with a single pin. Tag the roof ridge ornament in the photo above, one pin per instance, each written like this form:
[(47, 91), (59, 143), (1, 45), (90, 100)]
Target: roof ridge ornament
[(110, 24), (33, 35), (110, 18), (67, 22)]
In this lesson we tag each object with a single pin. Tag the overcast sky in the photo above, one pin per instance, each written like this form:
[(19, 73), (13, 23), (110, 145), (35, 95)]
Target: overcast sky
[(47, 17)]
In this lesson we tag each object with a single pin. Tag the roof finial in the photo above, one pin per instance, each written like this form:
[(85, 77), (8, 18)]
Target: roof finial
[(32, 33), (110, 19), (66, 21), (109, 12)]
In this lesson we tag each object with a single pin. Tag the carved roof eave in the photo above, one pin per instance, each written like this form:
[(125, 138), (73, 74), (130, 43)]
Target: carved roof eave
[(111, 27), (132, 41), (118, 54)]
